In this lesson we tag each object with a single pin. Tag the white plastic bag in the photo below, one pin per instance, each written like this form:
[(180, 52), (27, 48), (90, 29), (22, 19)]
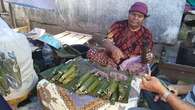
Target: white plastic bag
[(10, 75), (16, 42)]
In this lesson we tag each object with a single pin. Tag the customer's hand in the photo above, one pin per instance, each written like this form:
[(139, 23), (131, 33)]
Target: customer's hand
[(117, 54), (152, 84)]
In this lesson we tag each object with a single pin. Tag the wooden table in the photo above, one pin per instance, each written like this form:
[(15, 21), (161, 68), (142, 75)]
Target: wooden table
[(178, 72)]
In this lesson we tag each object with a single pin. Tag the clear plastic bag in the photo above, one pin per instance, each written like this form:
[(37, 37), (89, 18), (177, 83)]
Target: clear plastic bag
[(9, 72)]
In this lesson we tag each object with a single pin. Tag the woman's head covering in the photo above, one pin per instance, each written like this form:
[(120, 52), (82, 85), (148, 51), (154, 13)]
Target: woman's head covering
[(139, 7)]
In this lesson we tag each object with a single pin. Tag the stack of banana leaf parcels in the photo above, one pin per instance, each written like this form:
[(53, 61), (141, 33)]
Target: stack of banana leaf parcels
[(85, 78)]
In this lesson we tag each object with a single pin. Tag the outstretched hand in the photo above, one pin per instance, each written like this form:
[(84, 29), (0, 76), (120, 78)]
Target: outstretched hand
[(152, 84)]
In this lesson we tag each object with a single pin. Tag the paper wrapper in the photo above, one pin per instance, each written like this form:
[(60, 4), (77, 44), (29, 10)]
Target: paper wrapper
[(57, 98)]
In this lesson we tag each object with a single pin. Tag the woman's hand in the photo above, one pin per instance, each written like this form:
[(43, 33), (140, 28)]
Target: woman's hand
[(117, 54), (149, 57)]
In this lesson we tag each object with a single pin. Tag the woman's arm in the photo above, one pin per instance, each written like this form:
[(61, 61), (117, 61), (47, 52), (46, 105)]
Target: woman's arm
[(114, 51)]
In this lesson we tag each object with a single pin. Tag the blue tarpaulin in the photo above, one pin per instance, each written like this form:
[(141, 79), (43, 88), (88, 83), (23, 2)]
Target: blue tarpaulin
[(47, 38)]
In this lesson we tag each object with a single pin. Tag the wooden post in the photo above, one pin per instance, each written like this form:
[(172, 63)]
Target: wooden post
[(12, 15), (3, 6)]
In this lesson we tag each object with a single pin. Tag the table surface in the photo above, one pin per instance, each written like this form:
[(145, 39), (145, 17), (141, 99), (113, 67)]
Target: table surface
[(80, 100)]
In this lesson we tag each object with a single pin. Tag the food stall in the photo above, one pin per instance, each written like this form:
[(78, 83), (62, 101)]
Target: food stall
[(81, 84)]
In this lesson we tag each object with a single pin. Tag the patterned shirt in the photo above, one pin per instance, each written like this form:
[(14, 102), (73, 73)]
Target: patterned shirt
[(130, 42), (190, 97)]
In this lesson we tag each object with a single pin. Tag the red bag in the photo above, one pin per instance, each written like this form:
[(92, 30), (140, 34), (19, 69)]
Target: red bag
[(100, 57)]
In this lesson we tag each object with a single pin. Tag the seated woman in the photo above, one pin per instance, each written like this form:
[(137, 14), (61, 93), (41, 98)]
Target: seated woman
[(125, 39)]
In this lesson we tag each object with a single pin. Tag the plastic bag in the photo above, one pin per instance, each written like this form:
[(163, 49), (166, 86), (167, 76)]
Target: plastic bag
[(18, 43), (134, 66), (9, 72)]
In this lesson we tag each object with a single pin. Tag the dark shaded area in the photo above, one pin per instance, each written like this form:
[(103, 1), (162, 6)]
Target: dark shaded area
[(190, 23), (37, 56), (3, 104), (186, 56)]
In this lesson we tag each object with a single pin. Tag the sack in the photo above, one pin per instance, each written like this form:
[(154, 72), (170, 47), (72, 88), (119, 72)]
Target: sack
[(17, 43)]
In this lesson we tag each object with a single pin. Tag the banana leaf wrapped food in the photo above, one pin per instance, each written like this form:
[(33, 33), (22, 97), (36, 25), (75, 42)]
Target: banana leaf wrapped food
[(106, 84)]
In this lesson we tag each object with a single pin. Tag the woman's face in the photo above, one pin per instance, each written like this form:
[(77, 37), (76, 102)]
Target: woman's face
[(135, 19)]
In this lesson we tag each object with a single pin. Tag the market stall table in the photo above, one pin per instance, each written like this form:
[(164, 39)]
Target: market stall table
[(54, 97), (57, 96)]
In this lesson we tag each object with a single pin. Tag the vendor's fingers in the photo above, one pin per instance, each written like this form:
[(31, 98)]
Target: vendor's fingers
[(149, 55), (97, 73), (120, 53), (156, 98), (117, 60), (147, 77)]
